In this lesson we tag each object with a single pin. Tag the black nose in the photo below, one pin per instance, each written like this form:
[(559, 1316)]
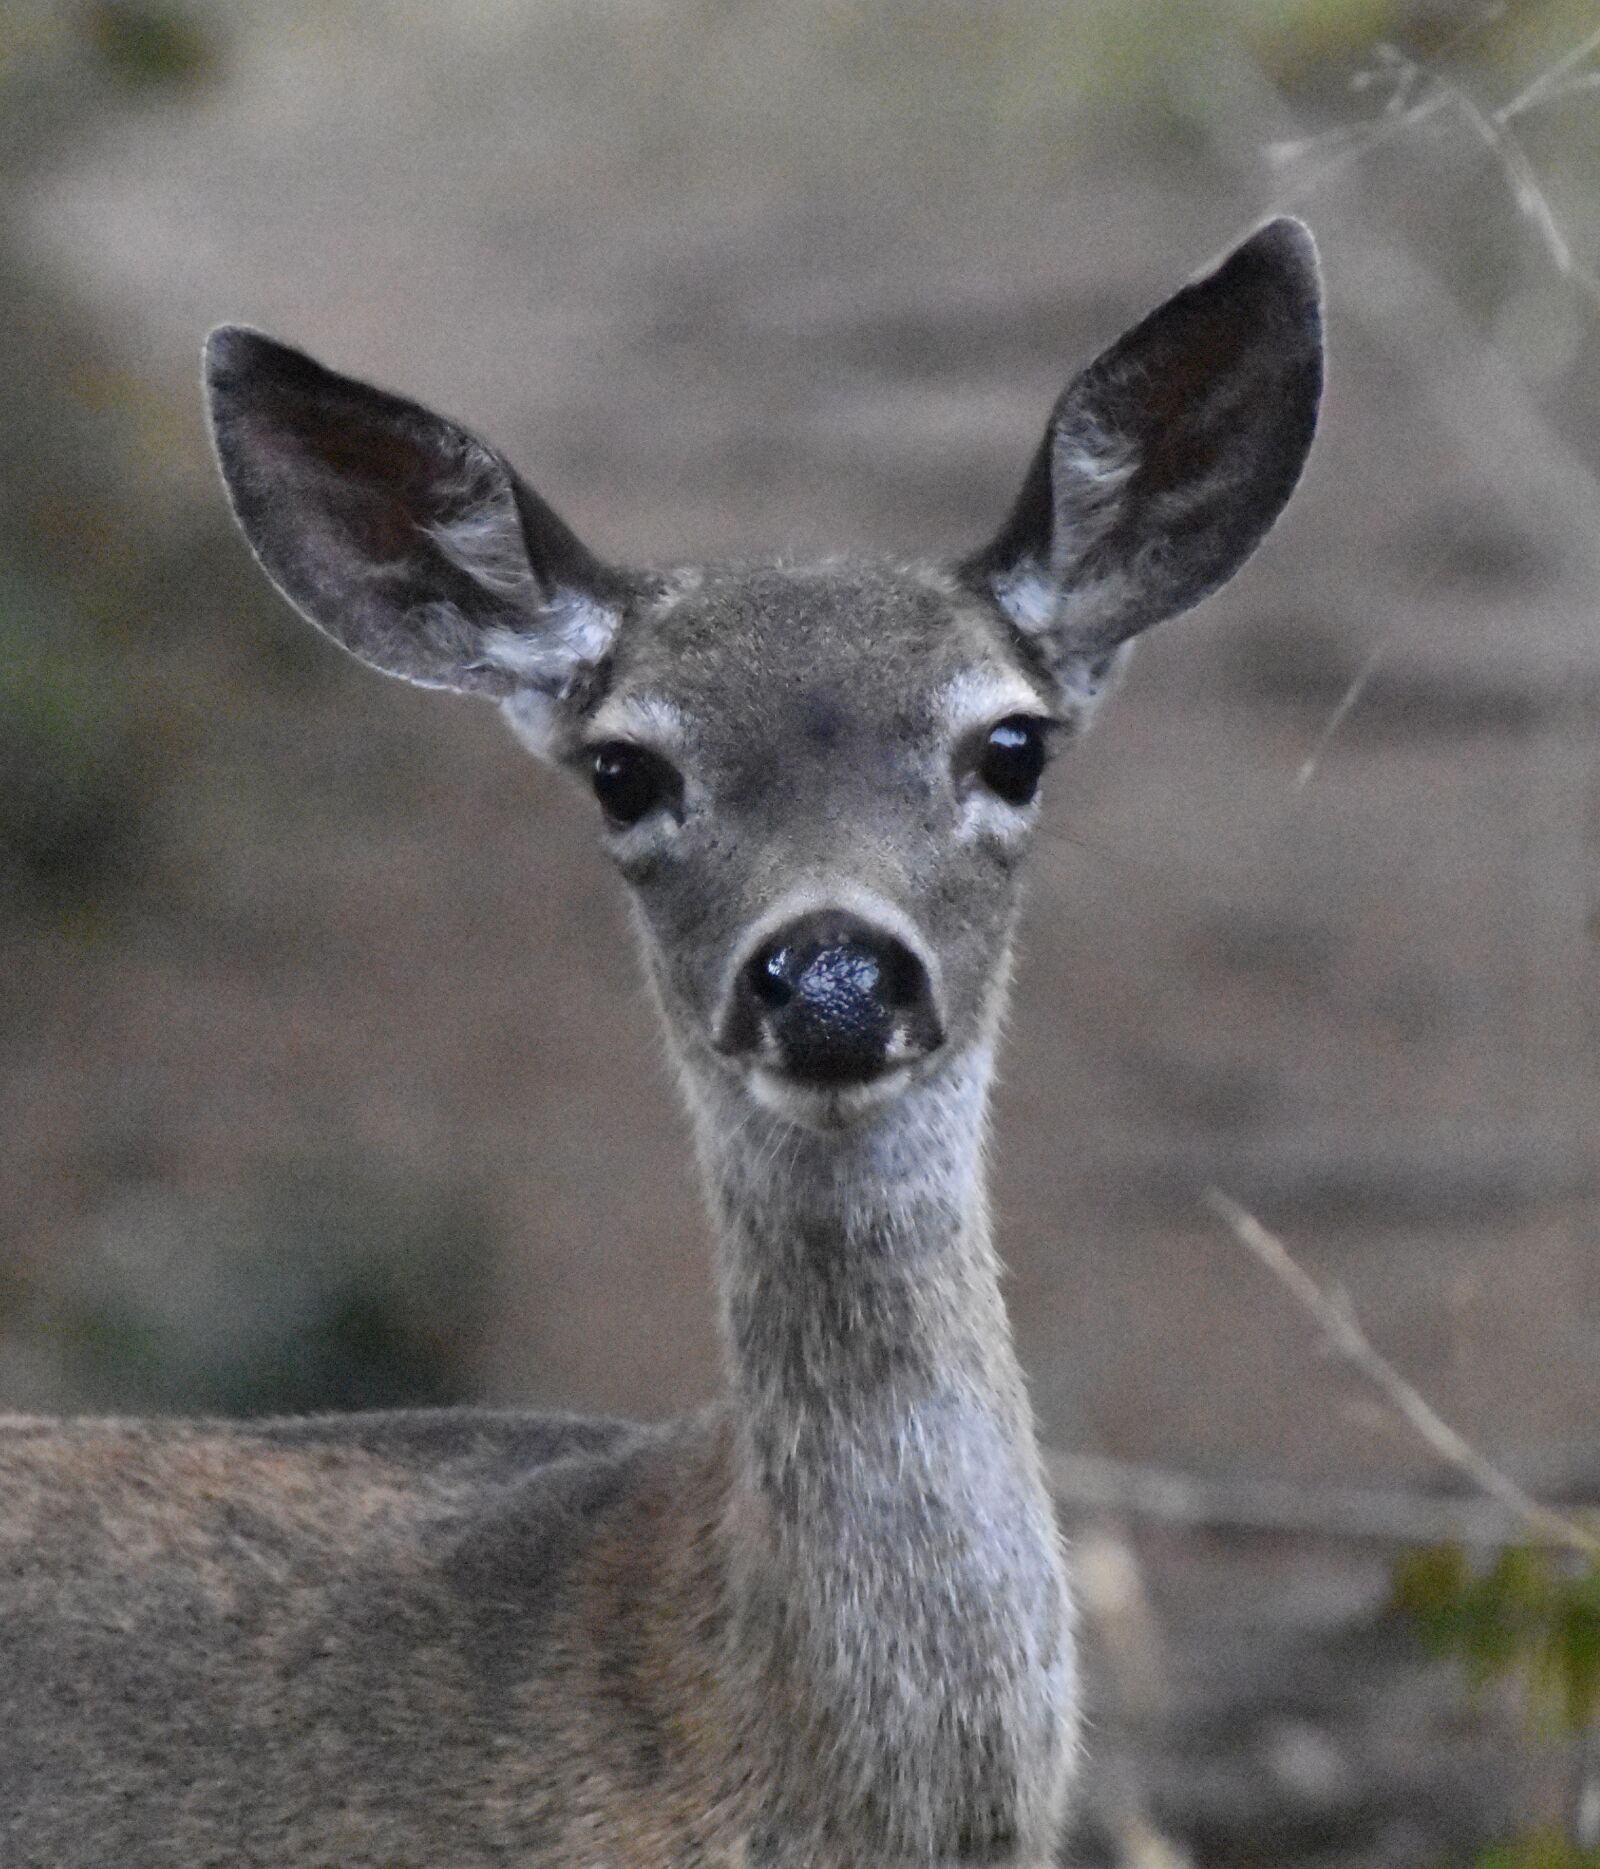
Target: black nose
[(835, 994)]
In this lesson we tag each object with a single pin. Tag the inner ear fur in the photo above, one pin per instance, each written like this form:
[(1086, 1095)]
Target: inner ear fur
[(398, 532), (1167, 460)]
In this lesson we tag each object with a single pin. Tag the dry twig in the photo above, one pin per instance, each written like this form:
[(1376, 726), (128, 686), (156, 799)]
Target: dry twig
[(1332, 1312), (1094, 1483), (1419, 91)]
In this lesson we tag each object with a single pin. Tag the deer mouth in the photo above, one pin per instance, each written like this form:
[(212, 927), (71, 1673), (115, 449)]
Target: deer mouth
[(821, 1106)]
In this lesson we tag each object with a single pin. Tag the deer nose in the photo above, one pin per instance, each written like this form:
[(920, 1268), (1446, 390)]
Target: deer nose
[(841, 1000)]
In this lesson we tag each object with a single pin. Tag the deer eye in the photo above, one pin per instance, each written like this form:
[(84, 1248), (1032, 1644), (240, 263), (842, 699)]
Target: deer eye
[(1012, 758), (631, 782)]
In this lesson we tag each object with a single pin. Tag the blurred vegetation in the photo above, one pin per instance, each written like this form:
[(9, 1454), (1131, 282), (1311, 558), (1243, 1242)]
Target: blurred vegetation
[(1531, 1620), (1532, 1617), (1543, 1849), (123, 629), (148, 47), (74, 783), (85, 740), (321, 1288)]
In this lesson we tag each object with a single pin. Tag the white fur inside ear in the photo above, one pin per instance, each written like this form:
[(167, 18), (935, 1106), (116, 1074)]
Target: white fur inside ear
[(565, 629), (569, 631), (487, 543), (1040, 607), (585, 627), (1029, 598), (485, 537), (568, 634), (533, 715), (1090, 467)]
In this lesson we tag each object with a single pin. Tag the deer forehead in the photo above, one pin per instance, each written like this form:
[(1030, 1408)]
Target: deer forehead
[(813, 655)]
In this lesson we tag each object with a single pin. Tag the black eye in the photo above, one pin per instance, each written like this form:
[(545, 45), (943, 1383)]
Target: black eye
[(631, 782), (1013, 758)]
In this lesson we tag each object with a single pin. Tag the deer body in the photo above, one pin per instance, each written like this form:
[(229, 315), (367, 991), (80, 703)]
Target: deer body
[(825, 1621)]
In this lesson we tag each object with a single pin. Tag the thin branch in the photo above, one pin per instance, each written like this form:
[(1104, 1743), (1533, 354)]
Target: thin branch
[(1093, 1483), (1348, 148), (1420, 91), (1115, 1603), (1543, 86), (1590, 81), (1332, 1312), (1352, 694), (1526, 188)]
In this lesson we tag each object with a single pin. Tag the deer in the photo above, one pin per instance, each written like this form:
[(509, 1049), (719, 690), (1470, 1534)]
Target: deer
[(824, 1621)]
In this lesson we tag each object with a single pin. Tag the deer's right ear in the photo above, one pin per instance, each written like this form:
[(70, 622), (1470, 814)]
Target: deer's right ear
[(1164, 463), (404, 537)]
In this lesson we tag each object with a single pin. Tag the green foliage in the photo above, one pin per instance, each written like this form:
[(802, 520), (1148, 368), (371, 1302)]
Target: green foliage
[(147, 47), (74, 788), (1531, 1615), (322, 1287), (1542, 1849)]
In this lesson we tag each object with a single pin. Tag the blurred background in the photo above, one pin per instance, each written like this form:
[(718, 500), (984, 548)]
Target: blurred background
[(326, 1076)]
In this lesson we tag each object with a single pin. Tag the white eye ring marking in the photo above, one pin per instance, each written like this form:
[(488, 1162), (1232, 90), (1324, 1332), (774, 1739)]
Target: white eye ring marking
[(647, 720), (983, 697)]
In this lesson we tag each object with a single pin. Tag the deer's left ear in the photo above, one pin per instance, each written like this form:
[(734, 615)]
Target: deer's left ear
[(409, 541), (1164, 463)]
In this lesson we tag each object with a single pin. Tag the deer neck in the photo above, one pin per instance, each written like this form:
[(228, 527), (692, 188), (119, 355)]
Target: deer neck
[(858, 1282), (892, 1556)]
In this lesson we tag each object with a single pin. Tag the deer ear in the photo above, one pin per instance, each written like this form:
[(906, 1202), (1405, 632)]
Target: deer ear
[(404, 537), (1164, 463)]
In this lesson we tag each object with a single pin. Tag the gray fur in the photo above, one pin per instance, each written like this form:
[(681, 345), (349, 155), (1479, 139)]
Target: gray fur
[(824, 1622)]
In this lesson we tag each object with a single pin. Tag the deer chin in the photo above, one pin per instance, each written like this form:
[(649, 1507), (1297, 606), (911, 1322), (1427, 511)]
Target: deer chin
[(825, 1107)]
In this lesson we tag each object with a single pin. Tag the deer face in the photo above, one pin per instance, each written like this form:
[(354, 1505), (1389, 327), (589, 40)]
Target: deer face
[(818, 782)]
